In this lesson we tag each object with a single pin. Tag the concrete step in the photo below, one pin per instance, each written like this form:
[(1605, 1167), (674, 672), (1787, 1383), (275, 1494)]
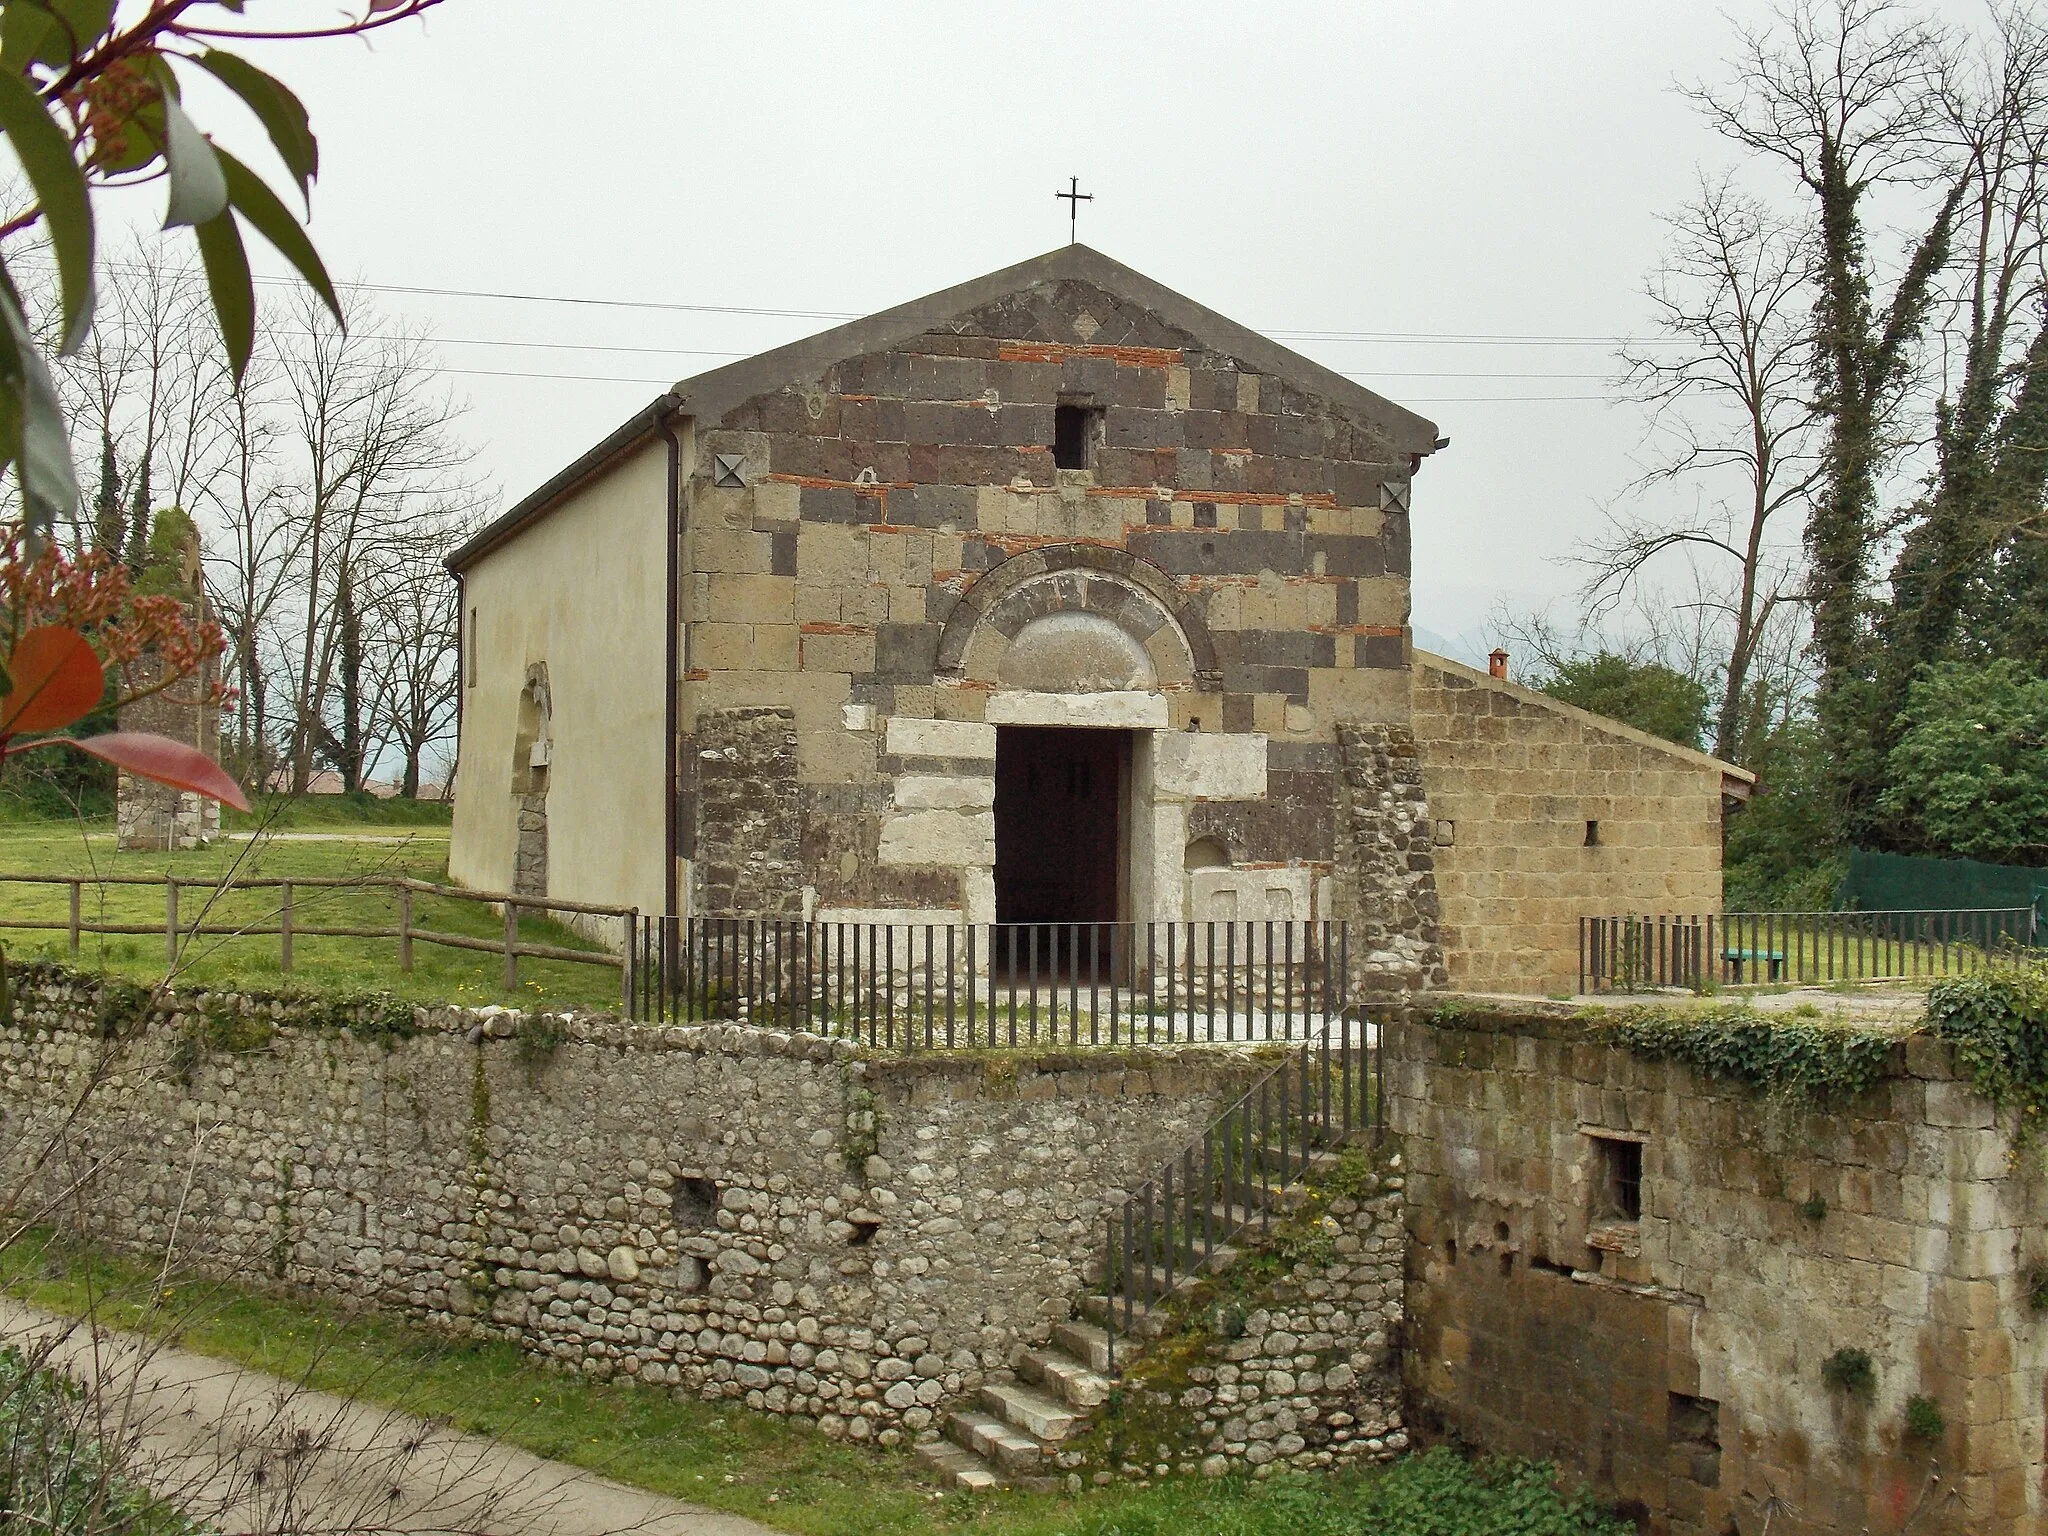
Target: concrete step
[(1001, 1445), (1144, 1323), (954, 1467), (1088, 1344), (1039, 1416), (1070, 1380), (1185, 1273)]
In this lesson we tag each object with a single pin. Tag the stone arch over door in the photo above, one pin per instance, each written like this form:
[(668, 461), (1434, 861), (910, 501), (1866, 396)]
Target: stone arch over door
[(1078, 618)]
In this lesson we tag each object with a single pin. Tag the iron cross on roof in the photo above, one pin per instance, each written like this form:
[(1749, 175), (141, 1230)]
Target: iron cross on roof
[(1075, 198)]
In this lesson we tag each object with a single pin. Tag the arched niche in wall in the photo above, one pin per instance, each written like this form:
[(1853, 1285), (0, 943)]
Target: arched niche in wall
[(1077, 619)]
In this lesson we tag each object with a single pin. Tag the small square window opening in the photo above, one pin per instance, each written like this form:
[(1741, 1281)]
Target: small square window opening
[(1073, 431), (1592, 834), (1618, 1194)]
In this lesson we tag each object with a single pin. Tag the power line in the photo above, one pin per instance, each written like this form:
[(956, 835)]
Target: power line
[(1402, 338), (612, 378), (1457, 338), (581, 346)]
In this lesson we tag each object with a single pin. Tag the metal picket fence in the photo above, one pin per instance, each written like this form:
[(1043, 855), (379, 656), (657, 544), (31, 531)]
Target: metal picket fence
[(937, 986), (1638, 953)]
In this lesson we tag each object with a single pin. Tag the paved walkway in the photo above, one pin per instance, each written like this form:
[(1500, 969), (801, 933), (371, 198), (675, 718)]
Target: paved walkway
[(247, 1452)]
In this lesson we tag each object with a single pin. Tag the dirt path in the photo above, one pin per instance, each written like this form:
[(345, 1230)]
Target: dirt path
[(247, 1452)]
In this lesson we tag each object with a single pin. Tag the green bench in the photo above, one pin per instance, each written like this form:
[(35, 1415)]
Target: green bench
[(1770, 961)]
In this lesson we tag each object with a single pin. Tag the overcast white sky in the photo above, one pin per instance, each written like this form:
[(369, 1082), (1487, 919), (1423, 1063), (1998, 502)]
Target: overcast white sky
[(1455, 170)]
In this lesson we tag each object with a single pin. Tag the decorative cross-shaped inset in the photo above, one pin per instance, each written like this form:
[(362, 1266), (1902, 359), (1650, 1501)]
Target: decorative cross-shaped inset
[(725, 470), (1394, 496), (1075, 197)]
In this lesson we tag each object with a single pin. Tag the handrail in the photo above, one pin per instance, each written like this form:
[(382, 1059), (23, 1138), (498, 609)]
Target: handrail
[(1302, 1100)]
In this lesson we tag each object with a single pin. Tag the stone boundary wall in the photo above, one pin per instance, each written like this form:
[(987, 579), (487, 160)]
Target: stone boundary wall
[(725, 1211), (1675, 1359)]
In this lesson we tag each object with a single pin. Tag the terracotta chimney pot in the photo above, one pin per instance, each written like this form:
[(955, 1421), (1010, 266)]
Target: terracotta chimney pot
[(1497, 663)]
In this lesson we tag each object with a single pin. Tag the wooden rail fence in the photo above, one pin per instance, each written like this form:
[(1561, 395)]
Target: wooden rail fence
[(285, 924)]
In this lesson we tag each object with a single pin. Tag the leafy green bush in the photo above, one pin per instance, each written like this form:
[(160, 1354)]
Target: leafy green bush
[(1968, 775), (1436, 1493), (1782, 849), (1998, 1022), (1780, 1054), (1645, 694), (53, 1476)]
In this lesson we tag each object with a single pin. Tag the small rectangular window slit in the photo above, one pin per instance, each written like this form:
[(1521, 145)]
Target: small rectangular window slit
[(1073, 427), (1592, 834), (1618, 1196)]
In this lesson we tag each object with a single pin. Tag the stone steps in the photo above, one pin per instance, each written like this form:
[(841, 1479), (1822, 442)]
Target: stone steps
[(1017, 1433), (1072, 1381), (1086, 1343), (957, 1468)]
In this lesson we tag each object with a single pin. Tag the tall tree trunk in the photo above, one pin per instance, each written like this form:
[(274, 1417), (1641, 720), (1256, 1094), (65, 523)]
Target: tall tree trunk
[(107, 523), (351, 624), (138, 520), (1861, 362)]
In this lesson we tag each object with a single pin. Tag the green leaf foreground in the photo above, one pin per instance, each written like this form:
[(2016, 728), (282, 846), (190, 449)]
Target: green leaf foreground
[(85, 99), (199, 188), (282, 114), (46, 158)]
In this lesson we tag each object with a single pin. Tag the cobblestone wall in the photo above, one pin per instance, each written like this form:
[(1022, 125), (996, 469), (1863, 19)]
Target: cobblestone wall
[(1677, 1356), (1387, 865), (725, 1211)]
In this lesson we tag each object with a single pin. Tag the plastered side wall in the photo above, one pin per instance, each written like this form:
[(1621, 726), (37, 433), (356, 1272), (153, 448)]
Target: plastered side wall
[(726, 1211), (1512, 779), (1676, 1361), (584, 592)]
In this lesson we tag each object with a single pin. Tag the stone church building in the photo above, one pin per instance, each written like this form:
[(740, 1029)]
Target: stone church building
[(1053, 596)]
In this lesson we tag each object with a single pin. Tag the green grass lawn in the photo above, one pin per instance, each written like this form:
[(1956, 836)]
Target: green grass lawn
[(780, 1472), (329, 965)]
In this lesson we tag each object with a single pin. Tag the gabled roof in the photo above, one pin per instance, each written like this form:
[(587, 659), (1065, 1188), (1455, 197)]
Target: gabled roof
[(709, 396), (1736, 783)]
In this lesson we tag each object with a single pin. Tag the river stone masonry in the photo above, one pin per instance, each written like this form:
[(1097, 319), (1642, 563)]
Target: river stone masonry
[(724, 1211), (1300, 1370)]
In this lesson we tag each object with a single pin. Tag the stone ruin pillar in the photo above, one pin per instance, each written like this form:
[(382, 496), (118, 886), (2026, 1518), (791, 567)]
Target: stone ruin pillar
[(149, 815)]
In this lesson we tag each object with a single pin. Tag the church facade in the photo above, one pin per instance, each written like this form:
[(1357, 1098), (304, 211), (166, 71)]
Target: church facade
[(1053, 597)]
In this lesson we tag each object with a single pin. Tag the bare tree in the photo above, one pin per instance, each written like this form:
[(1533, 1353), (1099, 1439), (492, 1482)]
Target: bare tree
[(372, 432), (252, 557), (1730, 408), (149, 386), (413, 623), (1853, 96)]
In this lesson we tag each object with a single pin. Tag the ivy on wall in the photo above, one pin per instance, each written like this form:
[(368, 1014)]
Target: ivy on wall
[(1998, 1022), (1791, 1056)]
